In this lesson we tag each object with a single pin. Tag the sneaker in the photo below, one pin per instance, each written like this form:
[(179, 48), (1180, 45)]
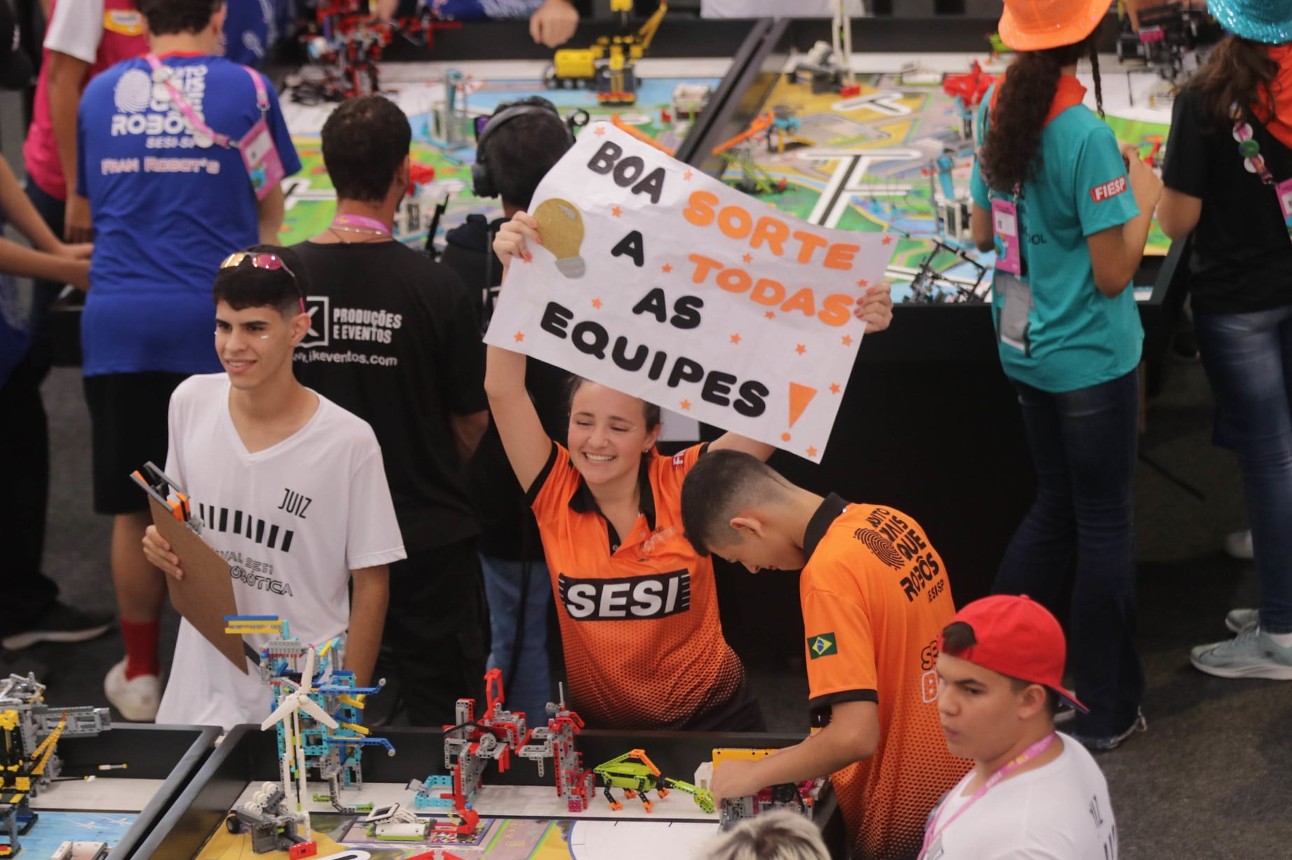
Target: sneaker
[(59, 623), (1242, 620), (1239, 545), (1112, 742), (1251, 654), (136, 699)]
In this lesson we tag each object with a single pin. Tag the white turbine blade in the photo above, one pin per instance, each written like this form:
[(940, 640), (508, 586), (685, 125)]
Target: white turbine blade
[(286, 706), (312, 708), (307, 676)]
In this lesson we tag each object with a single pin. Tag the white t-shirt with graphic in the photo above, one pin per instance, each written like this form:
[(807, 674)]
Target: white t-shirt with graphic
[(1059, 811), (292, 520)]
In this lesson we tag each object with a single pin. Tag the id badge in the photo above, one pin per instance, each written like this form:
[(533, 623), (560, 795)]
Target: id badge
[(1016, 307), (1284, 190), (264, 165), (1004, 219)]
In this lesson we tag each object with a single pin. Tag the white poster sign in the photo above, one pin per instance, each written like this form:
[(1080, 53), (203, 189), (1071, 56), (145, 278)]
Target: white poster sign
[(661, 282)]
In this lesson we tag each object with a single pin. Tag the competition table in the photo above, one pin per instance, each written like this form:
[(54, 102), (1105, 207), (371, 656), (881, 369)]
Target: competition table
[(149, 766), (520, 813)]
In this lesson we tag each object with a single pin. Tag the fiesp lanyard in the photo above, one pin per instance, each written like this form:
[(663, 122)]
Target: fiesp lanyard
[(162, 76), (933, 831), (362, 222)]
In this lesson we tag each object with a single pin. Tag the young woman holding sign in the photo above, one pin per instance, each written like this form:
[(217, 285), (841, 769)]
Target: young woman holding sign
[(1052, 193), (637, 606)]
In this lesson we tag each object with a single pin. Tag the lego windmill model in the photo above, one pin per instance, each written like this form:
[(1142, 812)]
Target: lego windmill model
[(293, 698)]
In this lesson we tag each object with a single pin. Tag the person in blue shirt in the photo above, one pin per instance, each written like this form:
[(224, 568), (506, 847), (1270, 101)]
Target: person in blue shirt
[(179, 154), (1068, 214), (251, 28)]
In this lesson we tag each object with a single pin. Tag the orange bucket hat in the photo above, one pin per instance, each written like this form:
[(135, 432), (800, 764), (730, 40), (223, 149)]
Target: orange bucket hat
[(1035, 25)]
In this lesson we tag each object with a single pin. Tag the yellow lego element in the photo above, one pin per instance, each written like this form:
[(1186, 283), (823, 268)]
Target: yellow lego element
[(355, 727), (722, 754)]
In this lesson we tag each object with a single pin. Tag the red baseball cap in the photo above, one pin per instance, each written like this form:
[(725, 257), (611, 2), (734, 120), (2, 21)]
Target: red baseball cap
[(1018, 637)]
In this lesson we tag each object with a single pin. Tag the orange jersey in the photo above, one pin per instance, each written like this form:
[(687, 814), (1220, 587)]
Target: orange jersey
[(875, 597), (643, 642)]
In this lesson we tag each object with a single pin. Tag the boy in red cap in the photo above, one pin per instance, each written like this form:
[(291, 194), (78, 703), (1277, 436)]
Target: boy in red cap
[(1032, 792)]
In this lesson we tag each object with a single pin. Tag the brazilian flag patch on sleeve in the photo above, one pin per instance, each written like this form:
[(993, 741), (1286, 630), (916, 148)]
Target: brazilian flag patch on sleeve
[(822, 645)]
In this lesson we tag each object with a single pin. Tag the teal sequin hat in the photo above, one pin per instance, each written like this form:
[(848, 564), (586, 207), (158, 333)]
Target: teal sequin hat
[(1265, 21)]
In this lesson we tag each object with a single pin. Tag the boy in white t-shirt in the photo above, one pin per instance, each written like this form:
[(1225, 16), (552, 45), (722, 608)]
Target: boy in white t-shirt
[(291, 490), (1032, 793)]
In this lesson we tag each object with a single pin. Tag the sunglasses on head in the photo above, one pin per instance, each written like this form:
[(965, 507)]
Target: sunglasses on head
[(267, 261)]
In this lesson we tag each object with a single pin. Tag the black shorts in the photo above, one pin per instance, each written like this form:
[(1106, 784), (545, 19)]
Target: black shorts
[(128, 427)]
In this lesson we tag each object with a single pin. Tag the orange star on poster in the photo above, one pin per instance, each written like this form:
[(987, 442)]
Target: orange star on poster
[(770, 315), (596, 303), (666, 268), (847, 340), (616, 211), (887, 240), (519, 336), (748, 258), (685, 404), (834, 388), (599, 130), (800, 349), (686, 177), (811, 451), (785, 437), (863, 283), (735, 338)]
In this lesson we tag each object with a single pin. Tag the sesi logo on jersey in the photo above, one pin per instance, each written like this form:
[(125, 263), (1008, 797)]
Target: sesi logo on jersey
[(655, 596), (1108, 190)]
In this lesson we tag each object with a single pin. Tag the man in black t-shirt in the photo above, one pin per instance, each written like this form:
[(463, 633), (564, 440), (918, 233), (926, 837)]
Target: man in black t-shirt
[(394, 339), (520, 143)]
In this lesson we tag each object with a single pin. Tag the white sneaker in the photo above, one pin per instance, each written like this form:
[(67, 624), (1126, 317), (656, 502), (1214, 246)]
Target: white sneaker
[(1242, 620), (1239, 545), (1251, 654), (136, 699)]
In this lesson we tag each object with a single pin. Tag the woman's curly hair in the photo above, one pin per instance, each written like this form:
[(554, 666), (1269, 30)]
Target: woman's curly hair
[(1010, 152)]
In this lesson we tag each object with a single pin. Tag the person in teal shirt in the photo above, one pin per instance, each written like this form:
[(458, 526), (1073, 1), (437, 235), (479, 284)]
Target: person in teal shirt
[(1068, 213)]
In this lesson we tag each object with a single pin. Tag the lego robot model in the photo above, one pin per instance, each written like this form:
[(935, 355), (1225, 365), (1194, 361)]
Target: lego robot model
[(636, 774), (332, 750), (472, 743), (609, 66), (293, 698), (344, 44), (1167, 33), (29, 761), (800, 797)]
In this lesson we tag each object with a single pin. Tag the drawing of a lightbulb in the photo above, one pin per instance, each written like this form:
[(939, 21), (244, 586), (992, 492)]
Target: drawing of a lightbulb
[(561, 226)]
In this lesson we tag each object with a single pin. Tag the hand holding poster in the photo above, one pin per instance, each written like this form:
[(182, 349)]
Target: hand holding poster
[(661, 282)]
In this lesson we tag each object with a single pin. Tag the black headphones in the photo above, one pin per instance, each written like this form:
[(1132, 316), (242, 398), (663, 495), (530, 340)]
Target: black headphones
[(481, 182)]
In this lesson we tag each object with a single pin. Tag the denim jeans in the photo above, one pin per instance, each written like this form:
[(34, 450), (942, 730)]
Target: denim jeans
[(529, 688), (1248, 358), (1083, 446)]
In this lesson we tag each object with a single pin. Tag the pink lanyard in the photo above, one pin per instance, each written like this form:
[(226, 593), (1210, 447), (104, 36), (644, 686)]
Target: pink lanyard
[(162, 75), (361, 221), (933, 831)]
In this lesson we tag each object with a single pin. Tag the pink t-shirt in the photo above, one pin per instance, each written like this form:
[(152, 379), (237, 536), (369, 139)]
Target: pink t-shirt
[(99, 32)]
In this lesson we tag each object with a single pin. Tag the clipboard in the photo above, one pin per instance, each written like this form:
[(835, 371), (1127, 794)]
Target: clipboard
[(205, 595)]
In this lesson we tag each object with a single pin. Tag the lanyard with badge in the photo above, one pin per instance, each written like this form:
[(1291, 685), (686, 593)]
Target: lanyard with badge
[(1011, 282), (932, 847), (1250, 149), (264, 166)]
